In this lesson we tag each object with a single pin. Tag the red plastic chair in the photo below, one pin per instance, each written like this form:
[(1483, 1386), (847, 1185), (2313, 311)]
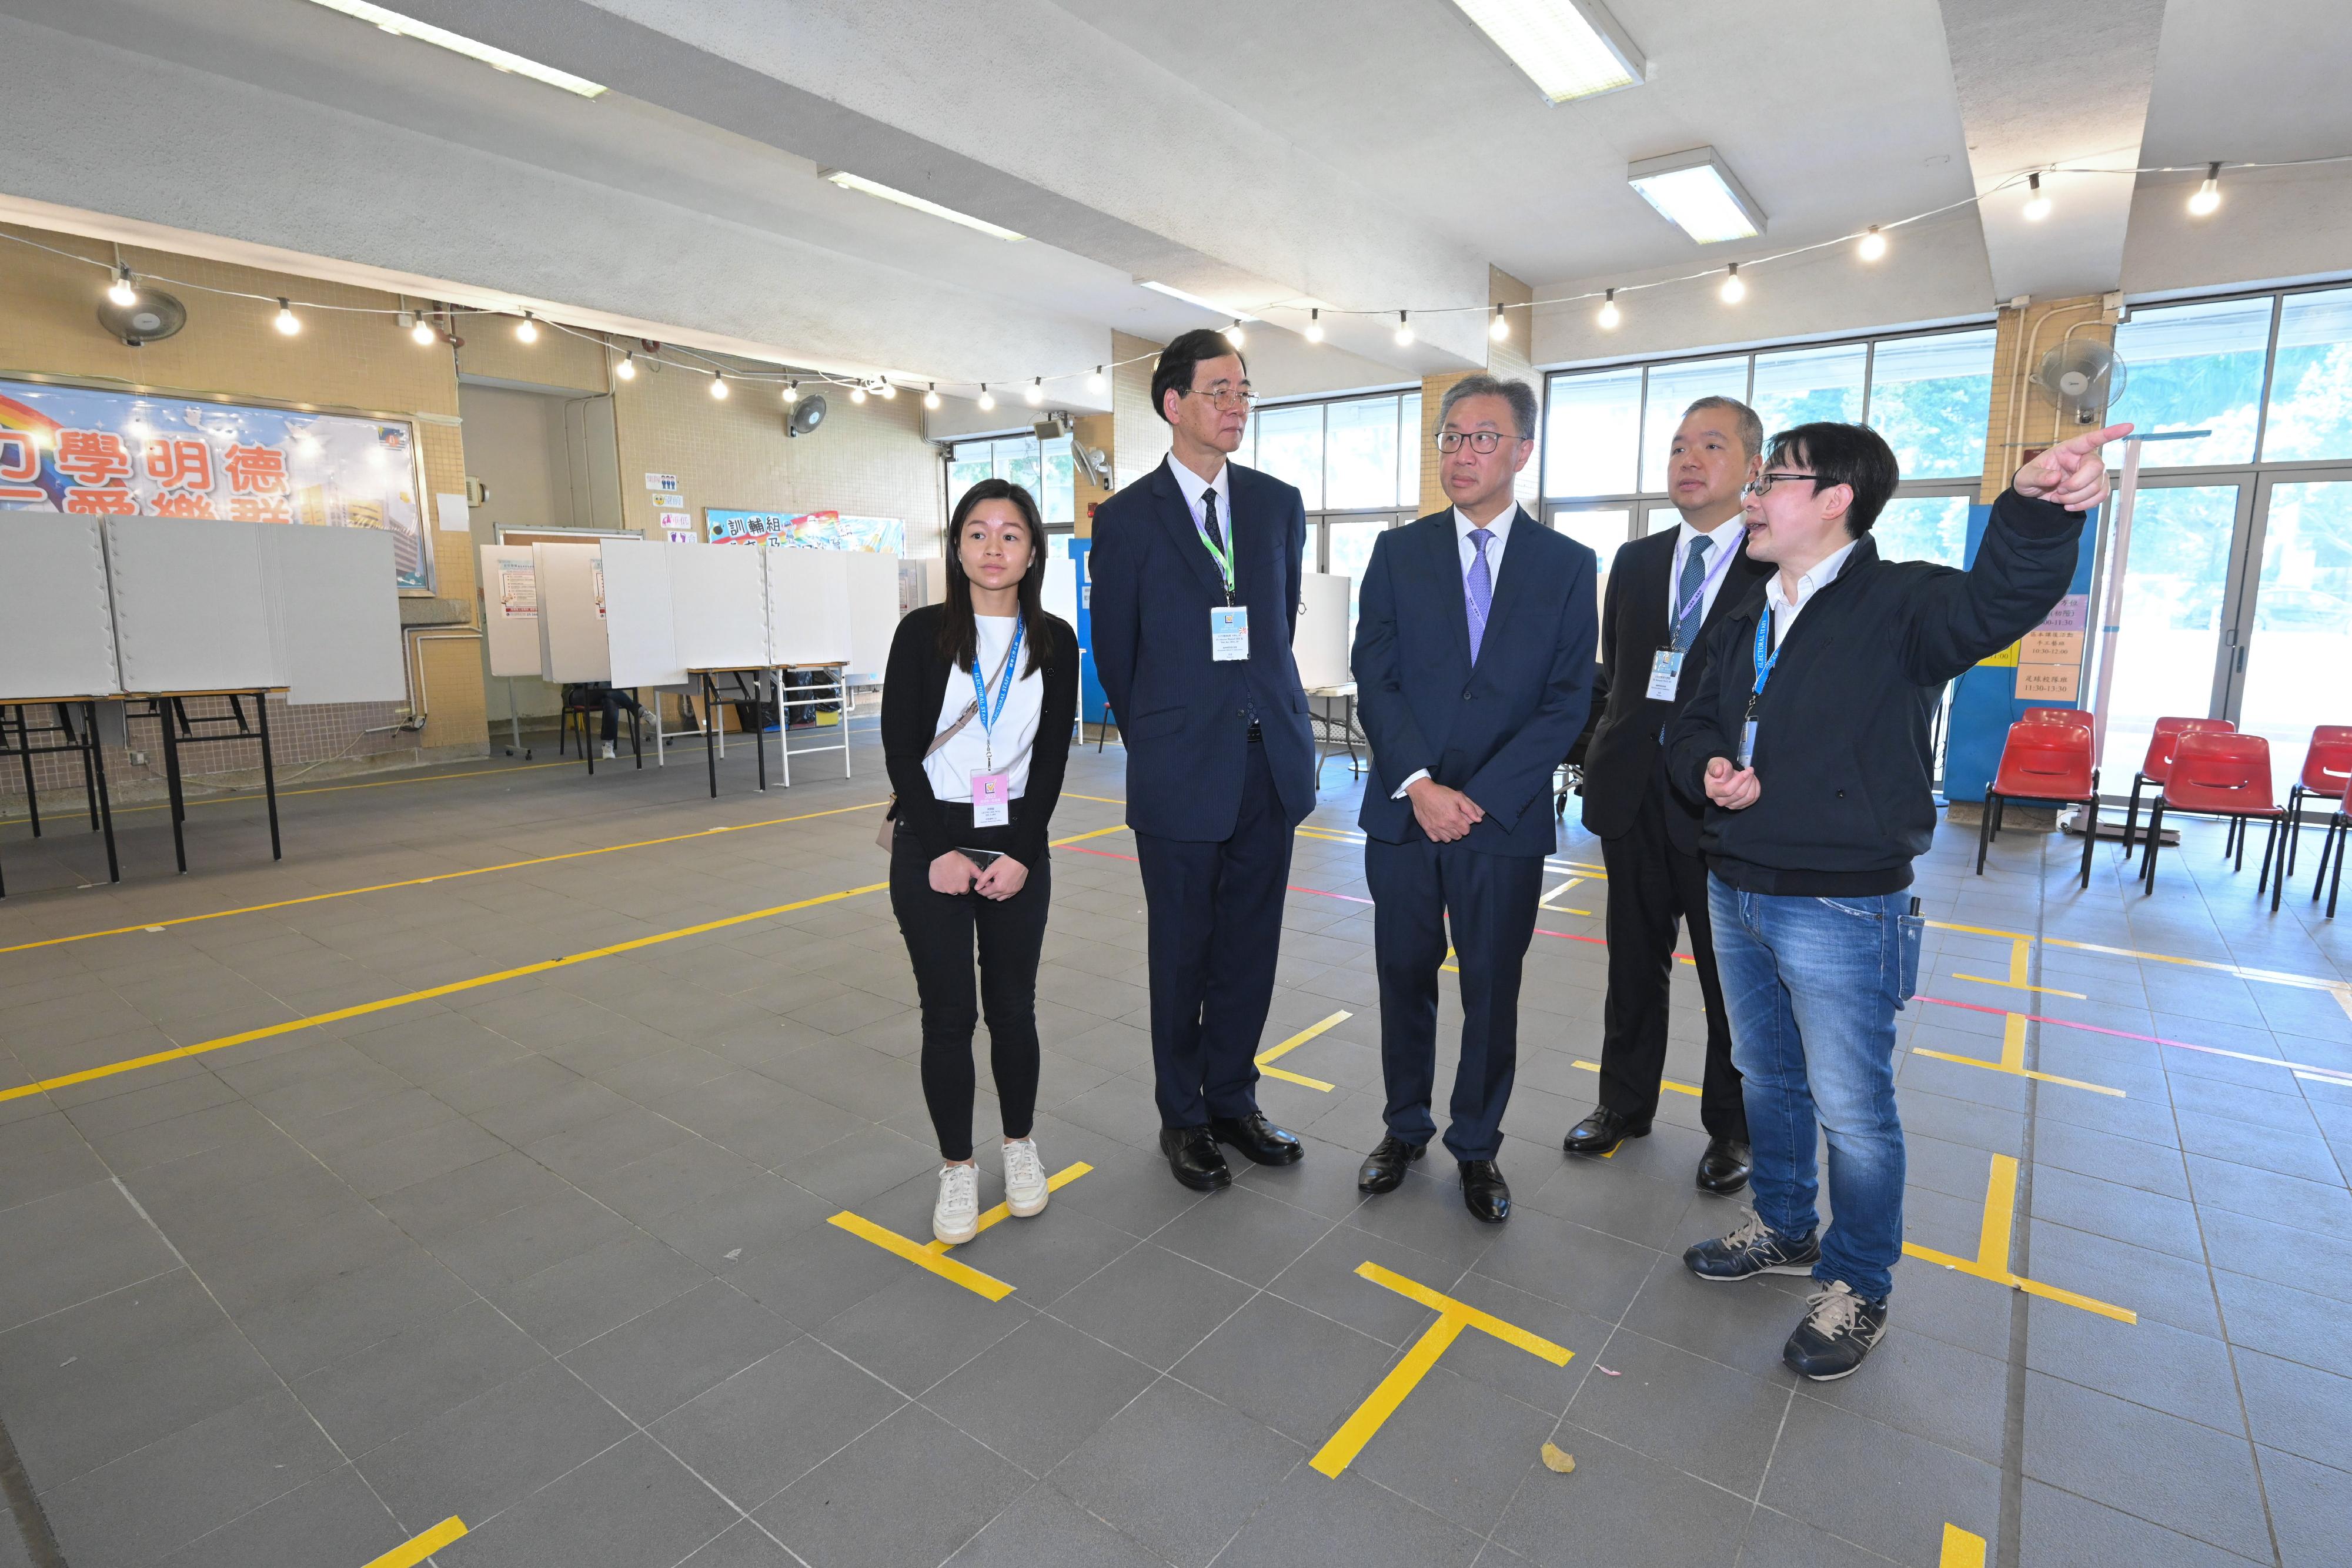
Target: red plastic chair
[(2157, 766), (2071, 717), (2326, 774), (2337, 839), (2043, 761), (2222, 774)]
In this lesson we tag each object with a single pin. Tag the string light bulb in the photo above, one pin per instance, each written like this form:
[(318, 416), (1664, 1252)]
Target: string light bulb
[(1235, 335), (889, 389), (791, 392), (1499, 330), (424, 334), (1035, 394), (931, 398), (286, 322), (2037, 206), (1095, 383), (120, 290), (627, 369), (1404, 329), (1609, 315), (1733, 291), (2202, 204), (858, 394), (718, 385), (527, 330), (987, 398), (1874, 245), (1315, 326)]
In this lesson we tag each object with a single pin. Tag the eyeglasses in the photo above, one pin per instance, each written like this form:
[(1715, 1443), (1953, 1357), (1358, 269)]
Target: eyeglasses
[(1763, 483), (1223, 394), (1481, 441)]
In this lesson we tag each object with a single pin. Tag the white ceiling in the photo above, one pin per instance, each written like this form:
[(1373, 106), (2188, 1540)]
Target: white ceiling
[(1357, 153)]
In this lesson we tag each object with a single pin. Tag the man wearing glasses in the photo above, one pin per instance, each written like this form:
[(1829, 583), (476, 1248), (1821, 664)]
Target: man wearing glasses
[(1194, 574), (1474, 668), (1806, 734)]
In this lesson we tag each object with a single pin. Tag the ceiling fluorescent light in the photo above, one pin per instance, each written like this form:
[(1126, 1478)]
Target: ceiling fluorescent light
[(1696, 193), (849, 182), (497, 58), (1569, 48), (1208, 304)]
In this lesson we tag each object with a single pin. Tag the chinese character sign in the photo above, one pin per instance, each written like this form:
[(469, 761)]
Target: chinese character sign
[(805, 530), (77, 450)]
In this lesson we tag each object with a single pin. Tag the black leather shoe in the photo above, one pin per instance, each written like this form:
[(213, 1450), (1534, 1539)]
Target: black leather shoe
[(1193, 1155), (1385, 1170), (1724, 1167), (1600, 1132), (1484, 1193), (1261, 1140)]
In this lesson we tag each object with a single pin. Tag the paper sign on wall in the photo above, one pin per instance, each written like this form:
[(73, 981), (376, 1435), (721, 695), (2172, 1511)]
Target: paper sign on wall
[(661, 482), (680, 535), (451, 509), (2049, 683), (670, 498)]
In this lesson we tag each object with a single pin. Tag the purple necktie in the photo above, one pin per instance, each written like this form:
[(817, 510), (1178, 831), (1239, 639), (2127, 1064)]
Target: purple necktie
[(1478, 589)]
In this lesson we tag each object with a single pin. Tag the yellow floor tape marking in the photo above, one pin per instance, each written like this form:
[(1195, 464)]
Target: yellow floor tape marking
[(410, 1553), (2275, 977), (1100, 800), (320, 789), (2012, 1033), (1453, 1317), (1546, 901), (946, 1268), (1690, 1089), (1991, 1261), (2015, 986), (1265, 1059), (1962, 1549), (1054, 1183), (440, 876)]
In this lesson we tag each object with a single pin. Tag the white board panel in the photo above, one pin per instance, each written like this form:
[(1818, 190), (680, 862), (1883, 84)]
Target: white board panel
[(56, 628), (808, 606), (335, 601), (639, 630), (572, 644), (719, 597), (873, 610), (1320, 643), (511, 609), (1060, 590), (191, 606)]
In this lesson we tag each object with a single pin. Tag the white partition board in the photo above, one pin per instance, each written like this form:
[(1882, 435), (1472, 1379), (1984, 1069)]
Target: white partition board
[(1320, 643), (808, 605), (572, 644), (1060, 590), (719, 598), (873, 610), (640, 630), (336, 604), (57, 626), (192, 609), (511, 609)]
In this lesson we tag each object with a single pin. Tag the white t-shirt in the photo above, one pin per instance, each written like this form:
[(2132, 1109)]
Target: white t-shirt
[(951, 767)]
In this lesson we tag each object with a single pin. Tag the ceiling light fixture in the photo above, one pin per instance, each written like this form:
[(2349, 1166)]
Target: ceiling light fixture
[(889, 389), (527, 329), (931, 398), (1872, 246), (1095, 383), (987, 398), (627, 369), (849, 182), (457, 42), (1235, 335), (1498, 329), (1609, 315), (718, 385), (1035, 394), (1698, 193), (791, 392), (425, 335), (1209, 304), (858, 394), (2202, 204), (1404, 329), (286, 322), (1733, 291), (2037, 206), (121, 291), (1315, 326), (1568, 48)]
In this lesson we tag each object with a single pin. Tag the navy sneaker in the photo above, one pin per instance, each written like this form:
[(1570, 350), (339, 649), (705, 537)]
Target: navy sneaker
[(1840, 1329), (1753, 1249)]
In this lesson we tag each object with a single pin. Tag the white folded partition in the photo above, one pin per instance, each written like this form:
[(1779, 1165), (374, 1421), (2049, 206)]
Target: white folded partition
[(191, 606), (1320, 643), (56, 619), (511, 609), (719, 598), (808, 605), (573, 642), (335, 610), (873, 612), (1060, 590), (640, 627)]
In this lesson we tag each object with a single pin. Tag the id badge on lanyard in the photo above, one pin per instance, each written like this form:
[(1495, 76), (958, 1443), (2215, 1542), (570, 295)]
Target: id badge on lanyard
[(1756, 694), (992, 792), (1228, 631), (1666, 674)]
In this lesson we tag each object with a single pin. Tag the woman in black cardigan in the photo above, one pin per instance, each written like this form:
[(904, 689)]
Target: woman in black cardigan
[(977, 707)]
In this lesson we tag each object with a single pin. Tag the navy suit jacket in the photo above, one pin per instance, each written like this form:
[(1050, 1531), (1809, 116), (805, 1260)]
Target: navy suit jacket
[(1495, 731), (1184, 716)]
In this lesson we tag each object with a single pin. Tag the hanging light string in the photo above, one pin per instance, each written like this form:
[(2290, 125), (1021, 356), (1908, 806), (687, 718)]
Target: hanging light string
[(697, 363)]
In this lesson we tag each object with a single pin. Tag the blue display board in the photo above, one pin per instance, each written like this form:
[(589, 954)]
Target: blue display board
[(1985, 701), (1092, 704)]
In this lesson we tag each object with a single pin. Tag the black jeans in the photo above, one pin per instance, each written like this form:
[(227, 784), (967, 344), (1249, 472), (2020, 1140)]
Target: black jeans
[(941, 931)]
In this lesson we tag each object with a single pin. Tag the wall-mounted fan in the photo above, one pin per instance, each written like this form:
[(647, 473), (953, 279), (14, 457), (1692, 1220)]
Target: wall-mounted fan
[(1091, 462), (2082, 379), (806, 415), (152, 316)]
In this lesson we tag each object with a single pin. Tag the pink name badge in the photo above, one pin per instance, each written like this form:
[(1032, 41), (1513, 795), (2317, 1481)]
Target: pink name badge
[(992, 799)]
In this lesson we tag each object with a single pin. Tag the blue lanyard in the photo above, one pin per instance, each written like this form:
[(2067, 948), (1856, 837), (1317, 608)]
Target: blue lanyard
[(1763, 664), (1003, 684)]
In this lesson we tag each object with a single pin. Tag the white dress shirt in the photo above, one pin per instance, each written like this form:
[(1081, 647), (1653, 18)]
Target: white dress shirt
[(1010, 739), (1726, 537), (1501, 529), (1784, 609), (1194, 487)]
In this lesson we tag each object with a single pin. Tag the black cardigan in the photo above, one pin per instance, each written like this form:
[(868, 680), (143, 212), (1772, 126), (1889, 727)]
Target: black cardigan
[(913, 688)]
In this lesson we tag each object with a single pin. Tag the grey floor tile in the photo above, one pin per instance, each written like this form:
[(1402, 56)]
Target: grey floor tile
[(1695, 1414), (1883, 1490), (657, 1361), (2117, 1211), (2154, 1284), (775, 1421), (1325, 1282), (1178, 1471), (509, 1248), (632, 1506), (1574, 1266), (2293, 1324), (1042, 1529), (744, 1546), (333, 1520), (1455, 1447), (2282, 1199), (2244, 1244), (2149, 1362), (919, 1328), (1776, 1541), (2306, 1509), (2058, 1527), (2154, 1168), (1152, 1304), (1312, 1518), (305, 1332), (2171, 1472), (914, 1490), (1621, 1509), (1930, 1389), (2297, 1408), (481, 1457), (1284, 1366), (572, 1302), (1246, 1235), (1040, 1392), (71, 1245), (370, 1397)]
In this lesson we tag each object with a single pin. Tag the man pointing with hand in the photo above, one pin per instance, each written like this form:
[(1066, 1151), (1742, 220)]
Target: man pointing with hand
[(1807, 738)]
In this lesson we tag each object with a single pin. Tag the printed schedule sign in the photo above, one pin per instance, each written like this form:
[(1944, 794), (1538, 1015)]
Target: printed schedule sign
[(87, 452)]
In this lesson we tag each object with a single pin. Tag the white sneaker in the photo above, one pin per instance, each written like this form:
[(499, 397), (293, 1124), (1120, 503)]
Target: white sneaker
[(1025, 1178), (955, 1218), (608, 751)]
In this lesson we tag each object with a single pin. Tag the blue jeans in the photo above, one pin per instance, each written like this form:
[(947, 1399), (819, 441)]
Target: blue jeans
[(1812, 986)]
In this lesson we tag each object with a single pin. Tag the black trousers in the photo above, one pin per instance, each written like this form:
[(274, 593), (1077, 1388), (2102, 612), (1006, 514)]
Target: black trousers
[(941, 930), (1652, 884), (1490, 901), (614, 701), (1215, 930)]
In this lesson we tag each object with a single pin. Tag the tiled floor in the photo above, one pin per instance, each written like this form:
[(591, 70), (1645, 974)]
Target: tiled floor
[(551, 1253)]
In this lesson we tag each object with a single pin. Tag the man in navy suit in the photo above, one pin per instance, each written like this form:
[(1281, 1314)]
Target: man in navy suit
[(1195, 574), (1474, 668)]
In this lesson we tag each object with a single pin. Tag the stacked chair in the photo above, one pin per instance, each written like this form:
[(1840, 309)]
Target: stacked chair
[(2046, 757), (2220, 773), (2326, 775), (2157, 766)]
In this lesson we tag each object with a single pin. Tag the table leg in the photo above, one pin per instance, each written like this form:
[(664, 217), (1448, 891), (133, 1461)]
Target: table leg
[(268, 775), (88, 786), (711, 732), (25, 756), (171, 780), (105, 806)]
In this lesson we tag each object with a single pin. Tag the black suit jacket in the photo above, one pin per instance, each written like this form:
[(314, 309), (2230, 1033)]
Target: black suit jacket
[(1183, 716), (1623, 763)]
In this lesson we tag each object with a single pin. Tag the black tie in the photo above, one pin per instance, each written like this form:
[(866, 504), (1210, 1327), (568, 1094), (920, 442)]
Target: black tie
[(1209, 515)]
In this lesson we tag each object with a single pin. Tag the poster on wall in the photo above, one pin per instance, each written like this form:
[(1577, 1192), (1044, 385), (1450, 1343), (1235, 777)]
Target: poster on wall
[(805, 530), (108, 454)]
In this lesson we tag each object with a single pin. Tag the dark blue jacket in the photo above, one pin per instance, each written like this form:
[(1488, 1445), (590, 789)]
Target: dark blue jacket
[(1184, 716), (1495, 732)]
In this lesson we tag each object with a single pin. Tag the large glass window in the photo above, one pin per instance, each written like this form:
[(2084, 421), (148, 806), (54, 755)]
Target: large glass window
[(1804, 386), (1931, 398), (1593, 435), (1409, 450), (2195, 367), (1360, 453), (1923, 528), (2311, 380), (1290, 447), (1044, 471), (1673, 389)]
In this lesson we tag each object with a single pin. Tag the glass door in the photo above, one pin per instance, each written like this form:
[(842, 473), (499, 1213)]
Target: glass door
[(2177, 650), (2291, 651), (1603, 531)]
